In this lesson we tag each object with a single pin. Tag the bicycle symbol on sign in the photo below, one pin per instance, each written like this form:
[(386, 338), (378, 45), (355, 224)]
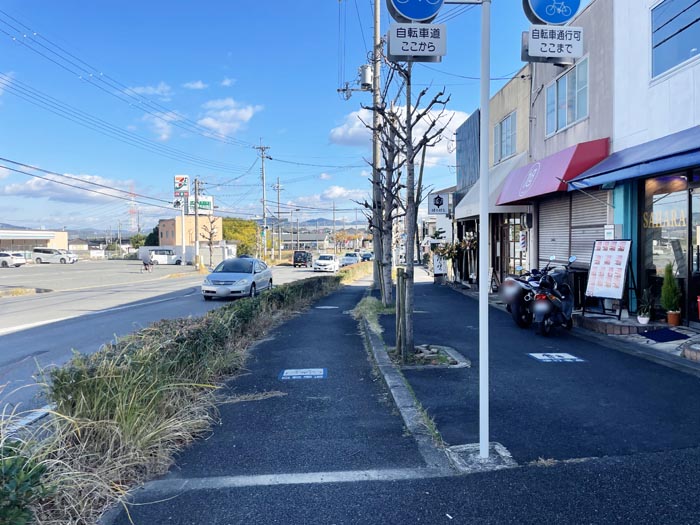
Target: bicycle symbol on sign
[(559, 8), (431, 2)]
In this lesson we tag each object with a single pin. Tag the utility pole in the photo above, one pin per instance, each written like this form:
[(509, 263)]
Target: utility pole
[(263, 156), (298, 233), (335, 241), (376, 145), (279, 223), (196, 224)]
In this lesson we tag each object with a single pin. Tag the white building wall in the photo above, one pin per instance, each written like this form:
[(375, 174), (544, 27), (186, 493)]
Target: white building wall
[(646, 109)]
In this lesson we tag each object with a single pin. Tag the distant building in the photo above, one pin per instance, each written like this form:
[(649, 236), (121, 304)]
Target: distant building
[(26, 240), (170, 230)]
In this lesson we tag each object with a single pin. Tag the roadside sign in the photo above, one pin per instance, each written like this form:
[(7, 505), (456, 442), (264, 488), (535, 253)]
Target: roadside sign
[(551, 11), (413, 10), (556, 41), (418, 40), (181, 186)]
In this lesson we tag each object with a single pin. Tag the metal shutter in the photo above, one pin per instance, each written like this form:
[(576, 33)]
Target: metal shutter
[(554, 228), (589, 214)]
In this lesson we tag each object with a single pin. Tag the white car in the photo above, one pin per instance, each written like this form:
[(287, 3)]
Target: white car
[(8, 259), (326, 263), (237, 277), (350, 258)]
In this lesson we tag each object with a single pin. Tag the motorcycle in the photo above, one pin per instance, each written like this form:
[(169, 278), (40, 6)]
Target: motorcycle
[(554, 301), (518, 292)]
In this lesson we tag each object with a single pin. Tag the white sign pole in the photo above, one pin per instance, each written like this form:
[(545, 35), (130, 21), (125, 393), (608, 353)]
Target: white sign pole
[(484, 283)]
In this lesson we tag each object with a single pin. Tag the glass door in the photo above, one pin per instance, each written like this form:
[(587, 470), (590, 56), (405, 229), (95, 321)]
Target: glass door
[(694, 255)]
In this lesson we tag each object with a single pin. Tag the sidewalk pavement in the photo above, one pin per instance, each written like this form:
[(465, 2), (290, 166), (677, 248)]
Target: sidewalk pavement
[(608, 402), (616, 435)]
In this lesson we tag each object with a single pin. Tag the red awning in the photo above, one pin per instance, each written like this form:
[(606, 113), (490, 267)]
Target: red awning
[(551, 174)]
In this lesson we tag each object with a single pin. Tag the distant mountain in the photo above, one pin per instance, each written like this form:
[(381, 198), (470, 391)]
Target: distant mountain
[(4, 226)]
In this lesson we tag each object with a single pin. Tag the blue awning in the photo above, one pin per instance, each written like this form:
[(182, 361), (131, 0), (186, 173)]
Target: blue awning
[(673, 152)]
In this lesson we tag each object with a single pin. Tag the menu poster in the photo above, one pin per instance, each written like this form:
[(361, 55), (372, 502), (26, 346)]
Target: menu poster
[(608, 273)]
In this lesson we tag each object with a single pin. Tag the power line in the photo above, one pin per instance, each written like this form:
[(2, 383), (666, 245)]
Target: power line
[(92, 75), (73, 114)]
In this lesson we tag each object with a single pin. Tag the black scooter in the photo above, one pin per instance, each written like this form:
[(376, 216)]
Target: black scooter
[(518, 292), (554, 300)]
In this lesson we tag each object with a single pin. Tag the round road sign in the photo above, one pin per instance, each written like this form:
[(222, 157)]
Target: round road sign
[(414, 10), (552, 12)]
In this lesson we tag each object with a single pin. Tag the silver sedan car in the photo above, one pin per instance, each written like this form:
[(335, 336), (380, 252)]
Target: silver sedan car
[(237, 277)]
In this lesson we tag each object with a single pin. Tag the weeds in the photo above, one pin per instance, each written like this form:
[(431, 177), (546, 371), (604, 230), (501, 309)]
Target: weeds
[(370, 308), (122, 413)]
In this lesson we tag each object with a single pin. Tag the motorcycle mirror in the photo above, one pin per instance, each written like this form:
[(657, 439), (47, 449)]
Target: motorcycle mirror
[(572, 258), (552, 258)]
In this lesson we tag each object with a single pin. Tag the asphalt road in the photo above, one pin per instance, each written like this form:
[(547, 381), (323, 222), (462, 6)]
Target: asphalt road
[(86, 305)]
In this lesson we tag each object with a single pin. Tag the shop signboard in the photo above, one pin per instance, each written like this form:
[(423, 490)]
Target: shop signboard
[(438, 203), (607, 277), (181, 186), (205, 205)]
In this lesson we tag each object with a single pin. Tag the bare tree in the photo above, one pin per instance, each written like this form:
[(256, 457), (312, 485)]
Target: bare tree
[(210, 232), (404, 132)]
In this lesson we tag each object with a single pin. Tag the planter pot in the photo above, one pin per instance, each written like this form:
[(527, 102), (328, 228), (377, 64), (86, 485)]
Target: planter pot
[(643, 320), (673, 318)]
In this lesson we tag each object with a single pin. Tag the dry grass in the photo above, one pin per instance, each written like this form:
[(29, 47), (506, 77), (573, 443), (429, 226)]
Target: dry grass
[(124, 412)]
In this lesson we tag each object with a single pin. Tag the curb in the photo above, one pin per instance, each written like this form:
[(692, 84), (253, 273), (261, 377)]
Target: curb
[(434, 456)]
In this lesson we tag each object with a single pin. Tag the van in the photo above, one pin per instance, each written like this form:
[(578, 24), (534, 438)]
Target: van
[(302, 258), (52, 255), (164, 256)]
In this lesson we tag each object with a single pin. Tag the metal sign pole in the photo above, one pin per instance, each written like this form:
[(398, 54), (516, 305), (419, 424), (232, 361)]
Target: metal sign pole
[(484, 285)]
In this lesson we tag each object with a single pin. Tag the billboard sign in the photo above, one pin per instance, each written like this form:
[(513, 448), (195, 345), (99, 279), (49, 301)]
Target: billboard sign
[(182, 186), (205, 205)]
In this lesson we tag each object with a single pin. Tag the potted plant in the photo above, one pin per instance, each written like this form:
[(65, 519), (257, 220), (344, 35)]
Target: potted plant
[(671, 297), (645, 305)]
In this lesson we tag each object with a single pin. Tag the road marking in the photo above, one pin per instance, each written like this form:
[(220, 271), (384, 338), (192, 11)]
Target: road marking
[(557, 358), (326, 307), (303, 373), (175, 486)]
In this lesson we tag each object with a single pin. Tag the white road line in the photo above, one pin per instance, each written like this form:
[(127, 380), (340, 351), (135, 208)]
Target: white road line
[(173, 486)]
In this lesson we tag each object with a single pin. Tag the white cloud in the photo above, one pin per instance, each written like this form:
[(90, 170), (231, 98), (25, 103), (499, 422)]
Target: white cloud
[(46, 189), (338, 192), (326, 198), (354, 133), (196, 84), (226, 116), (162, 90), (228, 82), (365, 174), (325, 176), (161, 124), (4, 173)]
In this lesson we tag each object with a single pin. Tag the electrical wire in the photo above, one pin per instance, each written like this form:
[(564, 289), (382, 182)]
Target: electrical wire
[(73, 114), (92, 75)]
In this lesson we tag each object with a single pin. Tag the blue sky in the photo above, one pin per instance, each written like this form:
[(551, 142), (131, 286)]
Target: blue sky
[(252, 71)]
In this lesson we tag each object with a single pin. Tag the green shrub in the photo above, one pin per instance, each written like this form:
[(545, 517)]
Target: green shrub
[(670, 291), (20, 484)]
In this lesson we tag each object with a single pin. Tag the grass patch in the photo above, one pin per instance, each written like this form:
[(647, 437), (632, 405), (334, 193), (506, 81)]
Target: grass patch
[(124, 412), (370, 308)]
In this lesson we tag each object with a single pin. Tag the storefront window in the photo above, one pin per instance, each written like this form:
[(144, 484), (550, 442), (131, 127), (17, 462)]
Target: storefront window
[(665, 228)]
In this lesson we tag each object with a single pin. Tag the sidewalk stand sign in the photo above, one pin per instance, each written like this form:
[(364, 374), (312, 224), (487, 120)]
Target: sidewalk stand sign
[(608, 273)]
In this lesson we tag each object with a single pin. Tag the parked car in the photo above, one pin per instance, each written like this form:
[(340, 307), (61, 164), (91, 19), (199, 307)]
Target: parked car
[(302, 258), (164, 256), (326, 262), (237, 277), (15, 259), (52, 255), (367, 256), (350, 258)]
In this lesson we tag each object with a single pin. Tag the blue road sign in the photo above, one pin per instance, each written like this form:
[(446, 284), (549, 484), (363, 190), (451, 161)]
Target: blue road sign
[(555, 12), (414, 10)]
